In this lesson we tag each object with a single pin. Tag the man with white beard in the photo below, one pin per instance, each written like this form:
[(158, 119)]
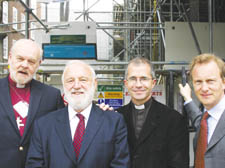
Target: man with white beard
[(81, 134)]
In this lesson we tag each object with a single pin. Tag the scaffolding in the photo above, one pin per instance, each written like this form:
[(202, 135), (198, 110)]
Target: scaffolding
[(137, 29), (137, 26)]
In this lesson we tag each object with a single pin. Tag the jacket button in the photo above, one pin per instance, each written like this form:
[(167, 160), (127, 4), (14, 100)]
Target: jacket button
[(20, 148)]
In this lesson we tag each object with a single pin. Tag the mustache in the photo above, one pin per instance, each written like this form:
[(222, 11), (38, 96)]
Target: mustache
[(77, 91)]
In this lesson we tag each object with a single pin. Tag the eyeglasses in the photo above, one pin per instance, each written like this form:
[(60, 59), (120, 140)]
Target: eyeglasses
[(142, 80)]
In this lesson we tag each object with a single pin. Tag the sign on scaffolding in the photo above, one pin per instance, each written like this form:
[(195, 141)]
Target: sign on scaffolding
[(111, 95)]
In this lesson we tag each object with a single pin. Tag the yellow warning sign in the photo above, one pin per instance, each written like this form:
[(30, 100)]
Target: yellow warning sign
[(113, 95), (100, 96)]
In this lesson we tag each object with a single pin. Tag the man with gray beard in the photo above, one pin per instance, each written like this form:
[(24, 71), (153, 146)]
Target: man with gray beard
[(22, 100), (81, 134)]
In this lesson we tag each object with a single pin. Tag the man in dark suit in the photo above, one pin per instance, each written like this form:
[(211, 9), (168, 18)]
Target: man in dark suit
[(80, 135), (207, 73), (22, 100), (157, 134)]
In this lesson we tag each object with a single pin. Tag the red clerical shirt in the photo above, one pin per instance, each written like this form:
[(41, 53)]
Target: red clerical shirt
[(20, 100)]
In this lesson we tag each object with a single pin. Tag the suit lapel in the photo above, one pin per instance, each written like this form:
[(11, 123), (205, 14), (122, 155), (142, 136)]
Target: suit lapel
[(35, 97), (218, 133), (150, 124), (95, 120), (128, 116), (63, 130), (6, 102)]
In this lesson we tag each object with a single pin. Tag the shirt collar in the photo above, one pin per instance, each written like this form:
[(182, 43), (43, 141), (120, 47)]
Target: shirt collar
[(86, 112), (146, 105), (139, 107), (217, 110), (16, 85)]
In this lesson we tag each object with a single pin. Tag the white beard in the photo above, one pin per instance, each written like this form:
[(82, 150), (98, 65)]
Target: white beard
[(18, 80), (21, 81), (80, 102)]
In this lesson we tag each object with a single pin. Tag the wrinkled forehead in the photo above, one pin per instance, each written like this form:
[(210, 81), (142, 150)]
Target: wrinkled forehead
[(26, 48), (77, 70), (206, 66)]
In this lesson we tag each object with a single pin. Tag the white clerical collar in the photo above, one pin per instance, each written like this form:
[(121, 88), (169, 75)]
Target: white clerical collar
[(139, 107), (86, 112), (20, 85)]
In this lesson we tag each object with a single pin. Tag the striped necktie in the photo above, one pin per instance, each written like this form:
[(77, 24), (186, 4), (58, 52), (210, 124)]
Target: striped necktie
[(78, 136)]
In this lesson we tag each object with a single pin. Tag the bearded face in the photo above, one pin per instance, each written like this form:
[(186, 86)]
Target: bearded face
[(24, 61), (79, 99), (79, 85)]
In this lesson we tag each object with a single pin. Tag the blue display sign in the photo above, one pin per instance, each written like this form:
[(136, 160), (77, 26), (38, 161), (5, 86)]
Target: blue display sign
[(69, 51)]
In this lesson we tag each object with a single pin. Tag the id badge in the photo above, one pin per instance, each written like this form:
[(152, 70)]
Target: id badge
[(22, 108)]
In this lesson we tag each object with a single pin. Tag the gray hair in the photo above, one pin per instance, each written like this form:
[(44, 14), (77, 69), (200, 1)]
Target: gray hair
[(79, 62), (23, 42)]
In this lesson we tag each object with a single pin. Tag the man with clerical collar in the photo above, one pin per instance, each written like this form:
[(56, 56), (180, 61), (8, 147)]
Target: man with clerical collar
[(22, 100), (80, 135), (157, 134)]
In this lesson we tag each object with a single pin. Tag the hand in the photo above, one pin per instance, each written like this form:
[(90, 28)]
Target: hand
[(185, 91), (105, 107)]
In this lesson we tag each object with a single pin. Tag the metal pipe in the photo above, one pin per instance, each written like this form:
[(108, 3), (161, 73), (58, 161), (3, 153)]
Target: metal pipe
[(28, 10), (124, 27), (113, 12), (145, 23), (98, 26), (84, 12), (114, 63), (9, 24), (210, 27), (27, 24), (84, 9), (171, 89), (192, 30), (171, 10), (46, 11), (162, 33)]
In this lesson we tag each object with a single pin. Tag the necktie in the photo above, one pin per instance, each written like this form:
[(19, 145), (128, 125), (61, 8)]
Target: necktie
[(202, 142), (78, 136)]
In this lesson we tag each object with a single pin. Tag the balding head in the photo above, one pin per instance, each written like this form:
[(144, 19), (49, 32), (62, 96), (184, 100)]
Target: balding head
[(24, 60)]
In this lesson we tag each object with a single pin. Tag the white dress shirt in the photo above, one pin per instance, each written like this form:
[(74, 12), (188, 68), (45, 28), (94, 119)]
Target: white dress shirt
[(215, 114), (74, 120)]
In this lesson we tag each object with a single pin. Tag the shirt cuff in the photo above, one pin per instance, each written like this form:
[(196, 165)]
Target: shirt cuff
[(186, 102)]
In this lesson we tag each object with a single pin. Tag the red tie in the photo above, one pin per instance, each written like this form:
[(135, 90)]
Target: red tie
[(78, 136), (202, 142)]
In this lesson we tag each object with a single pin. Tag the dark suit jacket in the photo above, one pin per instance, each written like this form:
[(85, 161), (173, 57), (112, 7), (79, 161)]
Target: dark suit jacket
[(163, 141), (13, 147), (104, 143)]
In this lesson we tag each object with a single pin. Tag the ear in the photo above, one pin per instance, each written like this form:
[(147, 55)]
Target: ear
[(223, 84), (153, 82), (125, 83), (96, 84), (10, 57)]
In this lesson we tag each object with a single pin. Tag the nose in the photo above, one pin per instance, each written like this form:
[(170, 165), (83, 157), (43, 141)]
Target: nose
[(24, 63), (76, 84), (138, 83), (205, 86)]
